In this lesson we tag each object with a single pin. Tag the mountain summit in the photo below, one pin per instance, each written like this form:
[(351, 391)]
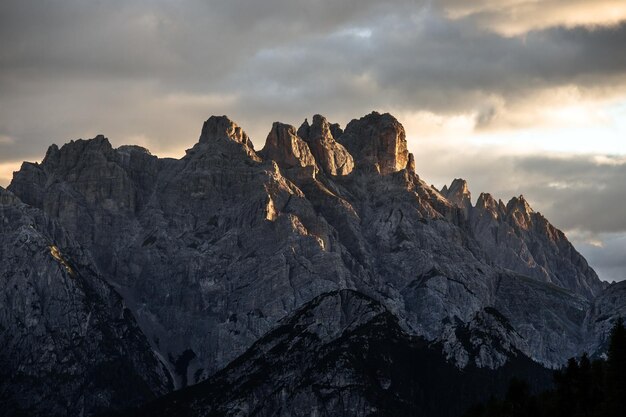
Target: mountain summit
[(187, 264)]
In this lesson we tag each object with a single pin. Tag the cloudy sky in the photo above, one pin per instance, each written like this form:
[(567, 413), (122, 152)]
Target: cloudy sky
[(516, 96)]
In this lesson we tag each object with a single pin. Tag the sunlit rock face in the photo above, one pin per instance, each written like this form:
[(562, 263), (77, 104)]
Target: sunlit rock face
[(222, 128), (211, 251), (287, 149), (459, 195), (221, 135), (333, 158), (378, 141)]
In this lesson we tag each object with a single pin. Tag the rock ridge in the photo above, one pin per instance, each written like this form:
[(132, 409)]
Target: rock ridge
[(518, 238), (287, 149), (211, 251), (332, 157), (377, 141)]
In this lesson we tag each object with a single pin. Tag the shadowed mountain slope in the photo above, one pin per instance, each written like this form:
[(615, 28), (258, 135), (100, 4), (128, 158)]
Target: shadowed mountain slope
[(344, 354), (211, 251)]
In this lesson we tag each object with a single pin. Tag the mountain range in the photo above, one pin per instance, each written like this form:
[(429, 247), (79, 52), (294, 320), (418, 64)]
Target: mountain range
[(318, 273)]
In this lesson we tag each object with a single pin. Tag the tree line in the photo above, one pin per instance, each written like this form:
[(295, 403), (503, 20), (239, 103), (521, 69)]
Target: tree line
[(582, 388)]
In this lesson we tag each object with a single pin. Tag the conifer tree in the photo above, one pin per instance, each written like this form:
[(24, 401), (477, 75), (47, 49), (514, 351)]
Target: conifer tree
[(616, 371)]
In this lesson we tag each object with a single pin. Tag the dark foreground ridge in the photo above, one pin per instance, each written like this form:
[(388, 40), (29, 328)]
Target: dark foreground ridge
[(357, 363), (119, 267)]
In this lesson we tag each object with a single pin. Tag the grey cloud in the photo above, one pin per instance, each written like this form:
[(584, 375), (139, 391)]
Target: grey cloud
[(576, 193), (485, 116), (609, 259), (76, 68), (582, 194), (422, 61), (175, 42)]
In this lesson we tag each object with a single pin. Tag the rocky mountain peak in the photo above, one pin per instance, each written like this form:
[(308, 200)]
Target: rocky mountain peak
[(288, 150), (520, 204), (331, 156), (129, 149), (410, 165), (320, 129), (377, 141), (303, 130), (52, 154), (214, 250), (336, 130), (486, 202), (221, 127), (520, 211), (99, 143), (7, 197), (342, 311), (458, 194), (77, 152)]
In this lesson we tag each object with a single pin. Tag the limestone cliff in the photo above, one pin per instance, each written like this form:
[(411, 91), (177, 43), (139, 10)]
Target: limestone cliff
[(211, 251)]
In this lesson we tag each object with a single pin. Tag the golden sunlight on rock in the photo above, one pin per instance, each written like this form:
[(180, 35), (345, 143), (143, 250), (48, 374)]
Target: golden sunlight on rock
[(56, 254)]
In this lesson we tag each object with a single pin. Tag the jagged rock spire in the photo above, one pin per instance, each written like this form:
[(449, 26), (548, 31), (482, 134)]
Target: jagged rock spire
[(410, 165), (332, 157), (303, 130), (224, 247), (221, 127), (487, 202), (520, 211), (519, 203), (287, 149), (377, 141), (336, 130), (459, 195), (80, 151)]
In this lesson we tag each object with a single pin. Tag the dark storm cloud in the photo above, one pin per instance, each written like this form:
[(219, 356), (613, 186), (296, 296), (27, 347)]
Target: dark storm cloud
[(275, 58), (174, 41), (75, 68), (446, 66), (149, 72), (422, 61)]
